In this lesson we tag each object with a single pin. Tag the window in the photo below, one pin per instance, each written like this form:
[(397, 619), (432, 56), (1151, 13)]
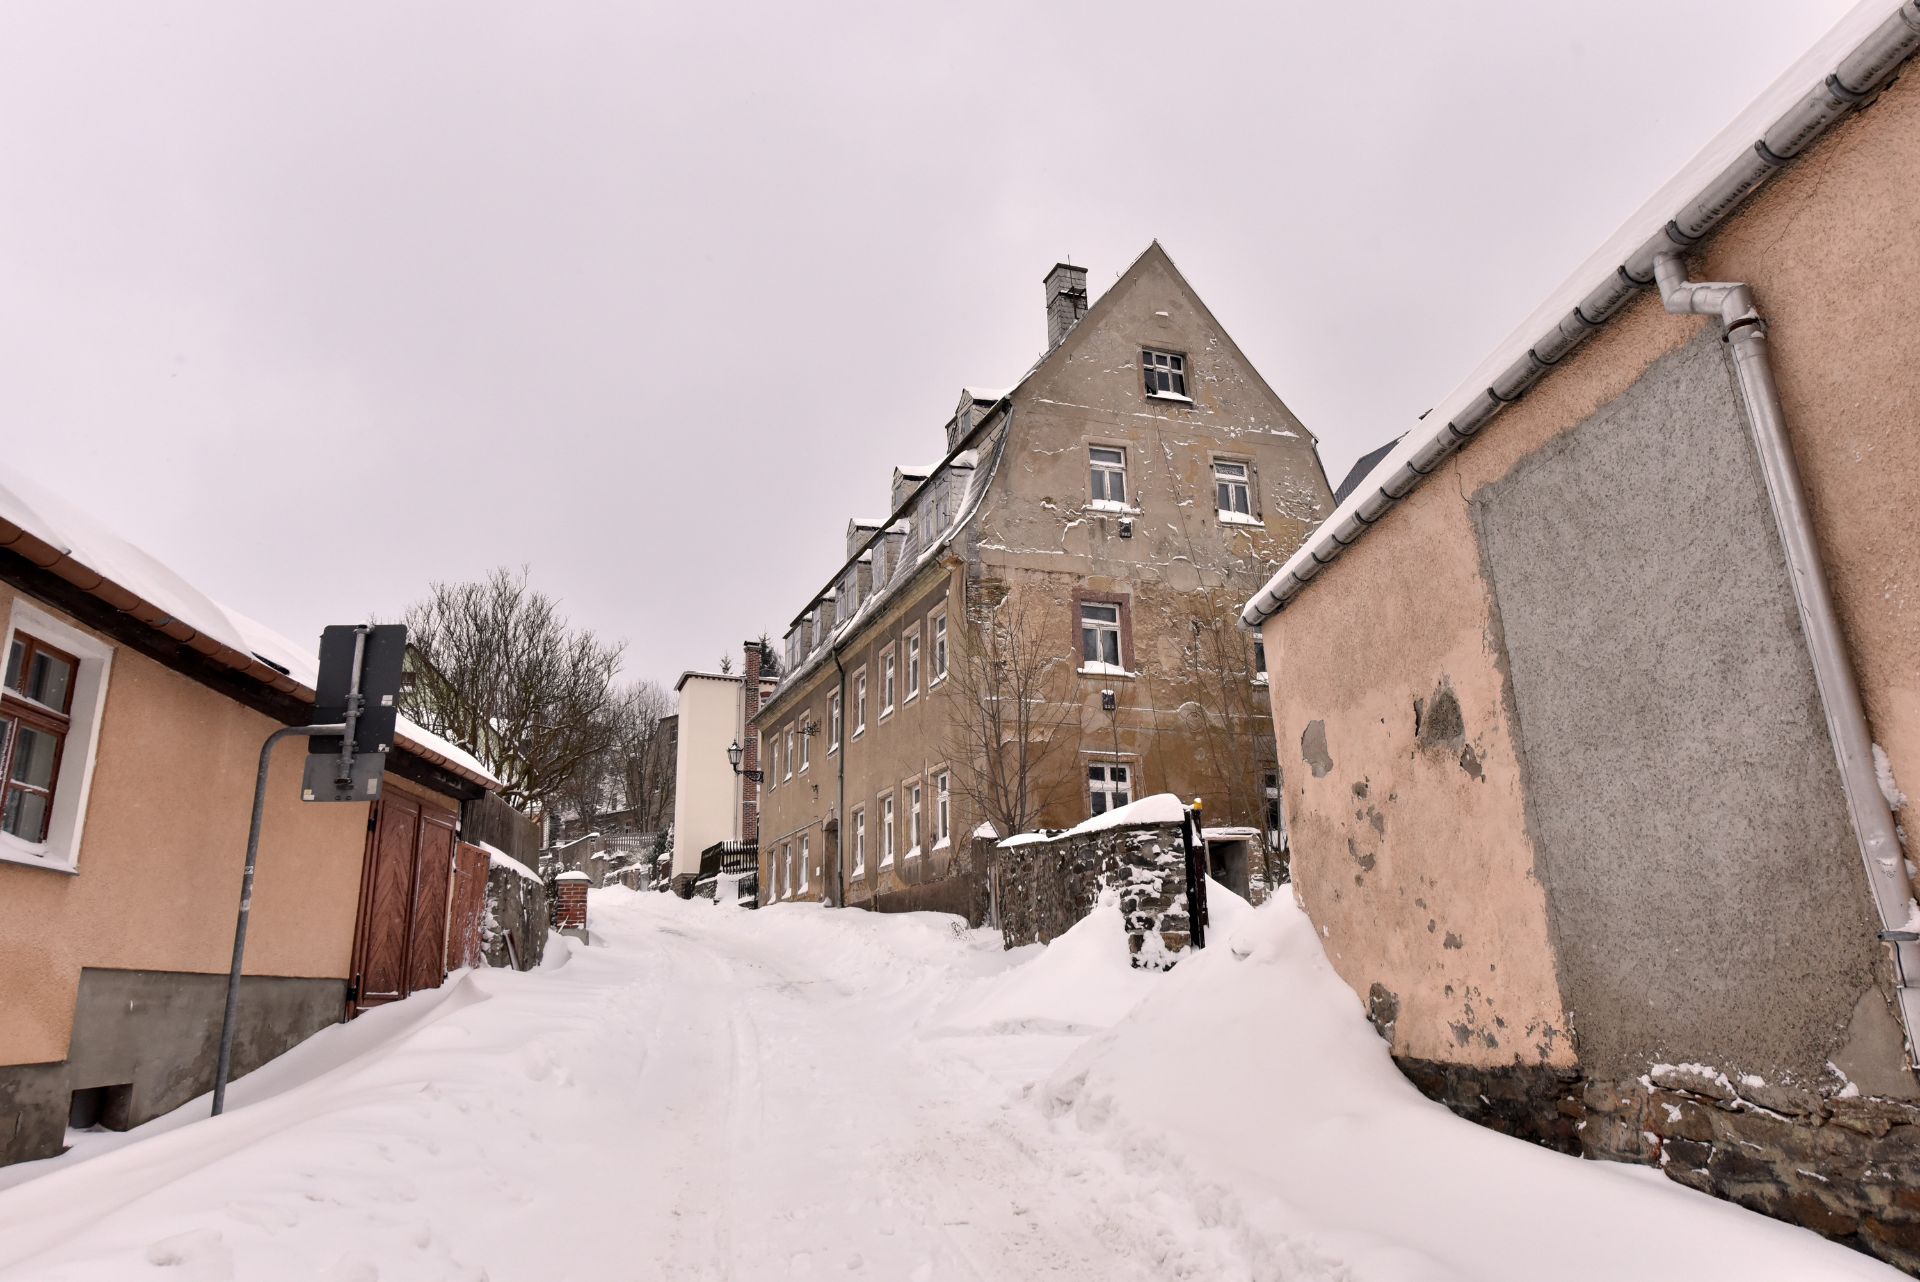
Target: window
[(1166, 373), (939, 649), (859, 842), (1099, 634), (806, 745), (833, 723), (886, 831), (1276, 822), (1107, 787), (1109, 474), (1259, 658), (886, 683), (913, 666), (789, 773), (1231, 488), (35, 721), (806, 862), (942, 810), (860, 703), (913, 818), (786, 865)]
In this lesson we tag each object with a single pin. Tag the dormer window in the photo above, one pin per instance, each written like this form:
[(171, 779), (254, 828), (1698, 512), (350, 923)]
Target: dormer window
[(1166, 373)]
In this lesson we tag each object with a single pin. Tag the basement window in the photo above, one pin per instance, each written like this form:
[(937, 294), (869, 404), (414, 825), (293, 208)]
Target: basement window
[(1166, 373)]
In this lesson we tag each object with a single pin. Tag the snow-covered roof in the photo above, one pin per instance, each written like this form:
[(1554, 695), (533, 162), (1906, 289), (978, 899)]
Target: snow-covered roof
[(573, 876), (1159, 810), (1435, 435), (54, 534)]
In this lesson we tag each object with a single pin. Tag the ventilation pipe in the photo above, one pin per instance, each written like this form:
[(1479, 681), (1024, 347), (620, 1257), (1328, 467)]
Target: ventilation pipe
[(1873, 823)]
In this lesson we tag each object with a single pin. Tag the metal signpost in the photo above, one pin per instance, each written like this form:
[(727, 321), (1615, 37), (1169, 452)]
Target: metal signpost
[(354, 718), (1195, 842)]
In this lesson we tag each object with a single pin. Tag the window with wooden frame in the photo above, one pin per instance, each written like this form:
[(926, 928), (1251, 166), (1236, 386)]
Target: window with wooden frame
[(886, 831), (859, 841), (36, 708), (886, 682), (1108, 467), (1166, 373), (938, 657), (806, 864), (833, 723), (1109, 786), (913, 666), (942, 809), (913, 819), (1233, 488), (859, 703), (1100, 634), (789, 762), (806, 745)]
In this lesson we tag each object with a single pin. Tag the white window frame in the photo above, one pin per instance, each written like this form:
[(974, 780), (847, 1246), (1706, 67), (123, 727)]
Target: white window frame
[(60, 852), (859, 702), (789, 754), (889, 681), (887, 841), (859, 825), (942, 809), (806, 748), (1107, 786), (833, 723), (937, 658), (1259, 659), (806, 861), (1102, 628), (913, 819), (1102, 475), (1159, 367), (786, 870), (1240, 487), (913, 667)]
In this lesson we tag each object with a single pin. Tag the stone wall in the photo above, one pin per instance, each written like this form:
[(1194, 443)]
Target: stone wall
[(514, 931), (1847, 1168), (1042, 887)]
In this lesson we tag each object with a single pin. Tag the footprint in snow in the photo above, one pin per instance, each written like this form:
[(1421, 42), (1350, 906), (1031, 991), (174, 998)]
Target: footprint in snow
[(201, 1256)]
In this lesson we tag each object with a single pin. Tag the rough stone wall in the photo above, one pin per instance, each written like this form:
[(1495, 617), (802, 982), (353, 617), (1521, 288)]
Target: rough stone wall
[(1847, 1168), (516, 911), (1041, 888)]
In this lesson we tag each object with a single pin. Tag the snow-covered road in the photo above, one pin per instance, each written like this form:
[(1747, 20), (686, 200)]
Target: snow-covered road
[(802, 1093), (712, 1094)]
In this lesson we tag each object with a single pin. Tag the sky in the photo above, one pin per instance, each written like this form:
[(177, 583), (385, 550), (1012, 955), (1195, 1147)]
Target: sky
[(323, 304)]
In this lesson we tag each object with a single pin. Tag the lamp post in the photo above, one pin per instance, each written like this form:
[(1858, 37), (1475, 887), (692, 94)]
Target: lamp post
[(734, 753)]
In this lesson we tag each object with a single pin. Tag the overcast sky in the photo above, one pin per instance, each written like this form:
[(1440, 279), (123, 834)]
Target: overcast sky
[(652, 298)]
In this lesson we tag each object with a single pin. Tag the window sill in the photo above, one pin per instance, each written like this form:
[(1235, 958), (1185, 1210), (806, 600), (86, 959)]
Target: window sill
[(911, 854), (1259, 678), (909, 699), (942, 844), (1240, 518), (858, 731), (886, 863), (32, 855), (886, 712), (1105, 670), (1175, 397), (1108, 505), (936, 681)]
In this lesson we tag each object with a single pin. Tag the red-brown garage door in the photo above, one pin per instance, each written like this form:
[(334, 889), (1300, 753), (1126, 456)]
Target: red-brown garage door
[(401, 939)]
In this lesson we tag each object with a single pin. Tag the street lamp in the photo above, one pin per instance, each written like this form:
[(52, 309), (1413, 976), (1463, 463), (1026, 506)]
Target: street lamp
[(734, 753)]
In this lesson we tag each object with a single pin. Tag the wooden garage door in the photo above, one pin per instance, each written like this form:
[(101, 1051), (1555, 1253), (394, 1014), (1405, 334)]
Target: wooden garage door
[(400, 939)]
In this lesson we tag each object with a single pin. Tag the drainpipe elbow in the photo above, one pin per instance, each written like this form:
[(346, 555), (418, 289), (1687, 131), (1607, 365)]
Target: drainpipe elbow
[(1731, 301)]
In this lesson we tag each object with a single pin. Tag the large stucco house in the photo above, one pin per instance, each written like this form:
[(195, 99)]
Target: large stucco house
[(1596, 697), (1040, 625)]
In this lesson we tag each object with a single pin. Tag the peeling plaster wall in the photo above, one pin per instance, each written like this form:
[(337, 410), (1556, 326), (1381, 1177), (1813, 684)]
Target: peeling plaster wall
[(1832, 253)]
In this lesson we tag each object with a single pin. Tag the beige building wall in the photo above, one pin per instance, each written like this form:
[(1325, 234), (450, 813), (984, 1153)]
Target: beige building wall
[(1437, 849), (706, 796), (158, 871)]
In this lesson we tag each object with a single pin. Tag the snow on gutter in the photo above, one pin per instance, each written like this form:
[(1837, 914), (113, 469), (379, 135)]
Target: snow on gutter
[(1837, 76), (49, 533)]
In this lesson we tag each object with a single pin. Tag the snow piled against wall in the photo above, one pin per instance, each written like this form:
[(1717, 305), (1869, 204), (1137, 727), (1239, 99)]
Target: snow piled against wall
[(1250, 1080)]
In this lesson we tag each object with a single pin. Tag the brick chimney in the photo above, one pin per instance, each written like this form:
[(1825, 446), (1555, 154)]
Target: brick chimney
[(750, 748), (1066, 300)]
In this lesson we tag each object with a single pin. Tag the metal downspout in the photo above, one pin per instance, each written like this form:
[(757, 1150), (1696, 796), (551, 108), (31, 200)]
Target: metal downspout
[(1873, 822), (840, 786)]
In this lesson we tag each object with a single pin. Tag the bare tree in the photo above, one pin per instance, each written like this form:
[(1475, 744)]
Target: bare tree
[(1226, 707), (508, 679), (636, 771), (1012, 713)]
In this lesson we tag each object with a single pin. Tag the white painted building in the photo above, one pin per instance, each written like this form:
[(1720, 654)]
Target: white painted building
[(707, 791)]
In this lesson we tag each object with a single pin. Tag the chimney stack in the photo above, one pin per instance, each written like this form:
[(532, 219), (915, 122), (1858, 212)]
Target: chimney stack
[(1066, 300), (750, 749)]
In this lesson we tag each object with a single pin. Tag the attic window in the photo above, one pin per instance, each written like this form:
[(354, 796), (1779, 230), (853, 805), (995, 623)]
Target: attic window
[(1166, 372)]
